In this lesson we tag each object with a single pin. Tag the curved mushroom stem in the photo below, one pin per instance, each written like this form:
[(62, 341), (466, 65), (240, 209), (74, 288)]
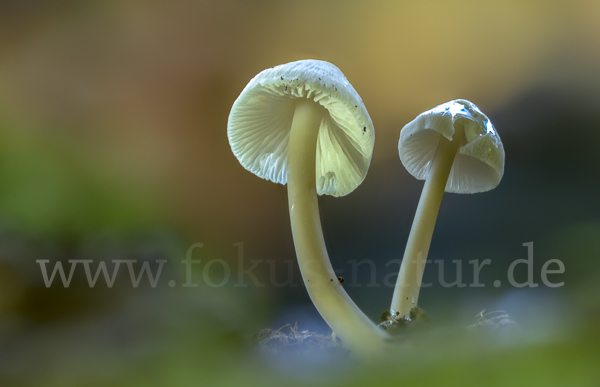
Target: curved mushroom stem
[(338, 310), (406, 292)]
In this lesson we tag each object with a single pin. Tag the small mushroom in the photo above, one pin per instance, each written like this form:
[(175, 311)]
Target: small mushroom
[(288, 126), (454, 148)]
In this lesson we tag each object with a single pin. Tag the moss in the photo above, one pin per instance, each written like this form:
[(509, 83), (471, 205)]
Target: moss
[(289, 339), (498, 321)]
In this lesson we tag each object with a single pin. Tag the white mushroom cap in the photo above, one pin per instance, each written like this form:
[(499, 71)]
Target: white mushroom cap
[(478, 165), (261, 118)]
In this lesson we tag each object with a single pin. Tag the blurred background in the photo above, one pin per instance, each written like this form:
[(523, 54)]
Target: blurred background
[(113, 146)]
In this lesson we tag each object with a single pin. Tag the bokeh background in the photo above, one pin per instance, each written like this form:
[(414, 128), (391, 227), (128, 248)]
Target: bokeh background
[(113, 145)]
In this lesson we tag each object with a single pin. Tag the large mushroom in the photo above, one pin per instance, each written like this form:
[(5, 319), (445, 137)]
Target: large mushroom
[(454, 148), (303, 124)]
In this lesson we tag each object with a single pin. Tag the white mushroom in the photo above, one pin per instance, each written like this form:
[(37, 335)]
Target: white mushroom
[(303, 124), (454, 148)]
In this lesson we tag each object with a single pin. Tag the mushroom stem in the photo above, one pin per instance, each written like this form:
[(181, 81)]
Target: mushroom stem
[(338, 310), (406, 292)]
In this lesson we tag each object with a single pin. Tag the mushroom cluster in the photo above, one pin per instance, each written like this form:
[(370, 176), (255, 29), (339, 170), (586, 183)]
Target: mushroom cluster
[(304, 125)]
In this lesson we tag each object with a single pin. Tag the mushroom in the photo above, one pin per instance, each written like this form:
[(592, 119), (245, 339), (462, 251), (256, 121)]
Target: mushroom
[(454, 148), (303, 124)]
